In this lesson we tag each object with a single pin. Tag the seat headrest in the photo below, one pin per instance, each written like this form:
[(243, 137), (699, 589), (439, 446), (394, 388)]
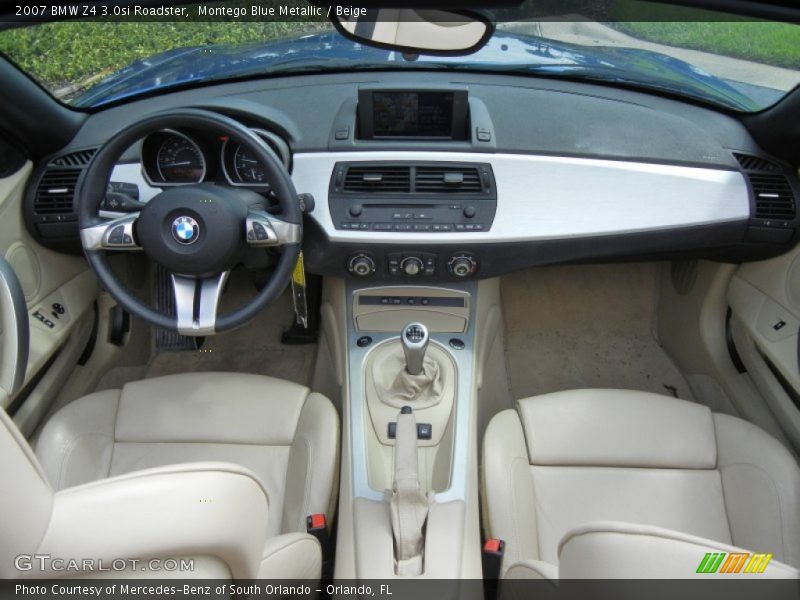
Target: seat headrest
[(618, 428)]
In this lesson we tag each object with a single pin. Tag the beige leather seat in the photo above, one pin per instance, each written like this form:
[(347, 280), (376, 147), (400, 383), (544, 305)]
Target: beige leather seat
[(102, 486), (620, 484)]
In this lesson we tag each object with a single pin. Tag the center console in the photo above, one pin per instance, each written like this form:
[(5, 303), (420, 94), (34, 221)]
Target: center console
[(430, 372)]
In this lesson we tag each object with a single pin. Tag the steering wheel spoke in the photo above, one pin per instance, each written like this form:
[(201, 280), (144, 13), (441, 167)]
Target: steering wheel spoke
[(197, 302), (116, 234), (263, 229)]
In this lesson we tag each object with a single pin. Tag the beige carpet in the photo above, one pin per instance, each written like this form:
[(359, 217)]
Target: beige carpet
[(585, 327), (254, 348)]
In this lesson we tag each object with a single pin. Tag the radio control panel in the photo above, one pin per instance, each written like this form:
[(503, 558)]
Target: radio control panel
[(405, 197)]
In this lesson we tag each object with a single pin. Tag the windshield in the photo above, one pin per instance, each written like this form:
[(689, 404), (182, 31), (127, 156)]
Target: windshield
[(739, 65)]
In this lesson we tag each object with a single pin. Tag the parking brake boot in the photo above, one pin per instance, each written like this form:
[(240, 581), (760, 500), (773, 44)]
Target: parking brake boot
[(409, 505)]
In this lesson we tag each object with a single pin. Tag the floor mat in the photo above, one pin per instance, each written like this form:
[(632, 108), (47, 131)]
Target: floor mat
[(253, 348), (585, 327)]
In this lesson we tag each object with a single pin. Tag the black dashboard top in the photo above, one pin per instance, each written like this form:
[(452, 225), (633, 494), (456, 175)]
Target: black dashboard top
[(537, 116)]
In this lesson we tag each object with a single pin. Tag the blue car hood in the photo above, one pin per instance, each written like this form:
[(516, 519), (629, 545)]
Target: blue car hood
[(318, 51)]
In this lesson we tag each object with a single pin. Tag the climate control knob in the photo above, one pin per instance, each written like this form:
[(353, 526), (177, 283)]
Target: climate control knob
[(462, 265), (412, 266), (361, 265)]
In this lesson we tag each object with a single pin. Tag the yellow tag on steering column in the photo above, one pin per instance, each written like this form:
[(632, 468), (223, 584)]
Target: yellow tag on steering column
[(299, 292)]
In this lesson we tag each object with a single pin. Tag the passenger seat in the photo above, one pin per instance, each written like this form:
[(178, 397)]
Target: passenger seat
[(626, 484)]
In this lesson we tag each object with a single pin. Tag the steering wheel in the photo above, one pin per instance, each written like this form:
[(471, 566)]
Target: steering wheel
[(197, 232)]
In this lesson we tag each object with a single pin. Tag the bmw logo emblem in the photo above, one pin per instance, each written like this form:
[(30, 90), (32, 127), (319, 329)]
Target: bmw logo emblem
[(185, 230)]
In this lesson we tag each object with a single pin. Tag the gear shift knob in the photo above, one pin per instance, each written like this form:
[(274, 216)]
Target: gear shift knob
[(415, 342)]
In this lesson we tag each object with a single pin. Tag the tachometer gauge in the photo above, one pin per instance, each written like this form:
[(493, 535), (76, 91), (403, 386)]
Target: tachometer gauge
[(247, 168), (180, 160)]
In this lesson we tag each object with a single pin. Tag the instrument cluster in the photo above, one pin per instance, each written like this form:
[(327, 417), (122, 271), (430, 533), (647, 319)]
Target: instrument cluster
[(172, 157)]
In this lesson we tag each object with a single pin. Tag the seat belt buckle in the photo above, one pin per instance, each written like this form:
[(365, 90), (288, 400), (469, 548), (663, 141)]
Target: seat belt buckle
[(317, 525), (492, 557)]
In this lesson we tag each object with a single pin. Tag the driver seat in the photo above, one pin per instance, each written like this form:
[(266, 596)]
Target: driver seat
[(117, 476)]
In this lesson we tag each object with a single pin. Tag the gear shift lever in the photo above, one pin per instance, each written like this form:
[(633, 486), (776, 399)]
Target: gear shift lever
[(415, 342)]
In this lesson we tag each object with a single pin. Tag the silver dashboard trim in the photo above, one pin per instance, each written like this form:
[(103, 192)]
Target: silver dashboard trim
[(554, 197)]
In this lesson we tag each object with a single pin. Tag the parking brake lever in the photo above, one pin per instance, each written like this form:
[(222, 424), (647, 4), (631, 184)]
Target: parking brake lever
[(409, 505)]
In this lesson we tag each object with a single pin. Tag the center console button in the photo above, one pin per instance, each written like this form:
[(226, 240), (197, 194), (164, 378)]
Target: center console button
[(411, 266), (457, 344)]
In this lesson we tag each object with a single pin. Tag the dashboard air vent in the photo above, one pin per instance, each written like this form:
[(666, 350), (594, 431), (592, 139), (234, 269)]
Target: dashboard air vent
[(774, 196), (81, 159), (56, 191), (442, 180), (393, 179), (748, 162)]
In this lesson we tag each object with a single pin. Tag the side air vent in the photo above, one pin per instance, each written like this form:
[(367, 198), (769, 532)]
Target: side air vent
[(442, 180), (774, 196), (775, 201), (50, 202), (56, 191), (748, 162), (391, 179), (775, 211), (81, 159)]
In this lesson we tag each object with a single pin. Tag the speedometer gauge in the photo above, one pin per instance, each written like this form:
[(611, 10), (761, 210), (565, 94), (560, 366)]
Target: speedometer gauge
[(180, 160), (242, 167)]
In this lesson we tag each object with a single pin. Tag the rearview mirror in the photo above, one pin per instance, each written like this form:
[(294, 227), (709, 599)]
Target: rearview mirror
[(415, 31)]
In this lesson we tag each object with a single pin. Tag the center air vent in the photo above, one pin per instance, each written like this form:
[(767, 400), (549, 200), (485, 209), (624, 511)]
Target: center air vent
[(443, 180), (428, 179), (378, 179)]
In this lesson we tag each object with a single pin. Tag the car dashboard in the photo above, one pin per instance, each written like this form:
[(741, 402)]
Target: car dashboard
[(436, 177)]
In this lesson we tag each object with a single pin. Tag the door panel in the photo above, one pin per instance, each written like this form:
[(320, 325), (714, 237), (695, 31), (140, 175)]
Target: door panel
[(765, 299), (60, 288)]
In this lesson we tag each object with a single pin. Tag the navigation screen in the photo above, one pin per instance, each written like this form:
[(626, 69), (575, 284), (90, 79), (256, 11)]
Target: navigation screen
[(412, 114)]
